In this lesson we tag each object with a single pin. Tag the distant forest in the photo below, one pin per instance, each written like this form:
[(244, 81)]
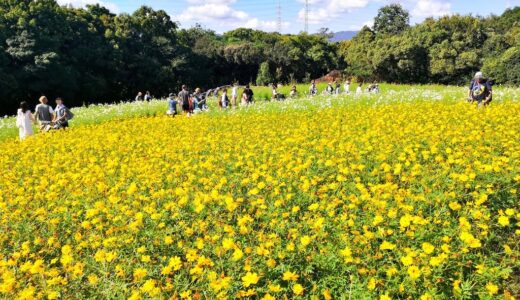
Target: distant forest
[(91, 55)]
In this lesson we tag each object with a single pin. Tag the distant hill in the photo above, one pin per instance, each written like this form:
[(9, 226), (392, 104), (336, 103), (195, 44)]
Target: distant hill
[(343, 36)]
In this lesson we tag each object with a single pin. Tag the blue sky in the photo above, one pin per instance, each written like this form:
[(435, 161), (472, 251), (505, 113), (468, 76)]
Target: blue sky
[(338, 15)]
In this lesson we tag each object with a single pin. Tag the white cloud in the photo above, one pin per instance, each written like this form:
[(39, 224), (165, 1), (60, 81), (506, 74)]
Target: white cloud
[(199, 2), (431, 8), (219, 13), (323, 11), (212, 12), (82, 3)]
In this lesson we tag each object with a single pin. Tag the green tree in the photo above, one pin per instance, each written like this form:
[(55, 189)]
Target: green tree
[(391, 19), (264, 75)]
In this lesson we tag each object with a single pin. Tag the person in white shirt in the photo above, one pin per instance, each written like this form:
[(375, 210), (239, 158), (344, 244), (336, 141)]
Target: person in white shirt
[(234, 95), (359, 89), (347, 87), (24, 121)]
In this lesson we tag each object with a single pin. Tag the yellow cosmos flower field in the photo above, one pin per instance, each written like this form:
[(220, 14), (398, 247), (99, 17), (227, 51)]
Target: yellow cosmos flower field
[(393, 200)]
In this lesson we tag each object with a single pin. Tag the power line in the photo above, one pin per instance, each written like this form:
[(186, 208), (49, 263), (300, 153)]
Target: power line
[(279, 21), (306, 16)]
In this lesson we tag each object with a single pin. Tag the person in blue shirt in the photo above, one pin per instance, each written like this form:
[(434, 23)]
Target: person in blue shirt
[(172, 105), (63, 115), (480, 90)]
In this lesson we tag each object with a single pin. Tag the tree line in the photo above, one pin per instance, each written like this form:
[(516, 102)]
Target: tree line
[(90, 55)]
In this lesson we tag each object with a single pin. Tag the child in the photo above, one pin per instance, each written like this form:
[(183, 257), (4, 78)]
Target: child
[(172, 106), (24, 121)]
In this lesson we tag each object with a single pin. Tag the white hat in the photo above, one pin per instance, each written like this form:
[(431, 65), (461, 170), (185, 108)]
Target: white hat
[(479, 75)]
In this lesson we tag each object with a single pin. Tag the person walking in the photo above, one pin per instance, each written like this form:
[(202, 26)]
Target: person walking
[(148, 96), (63, 115), (294, 92), (359, 89), (338, 87), (480, 90), (330, 89), (24, 121), (172, 106), (43, 114), (347, 87), (249, 94), (234, 95), (184, 98), (224, 99), (313, 89)]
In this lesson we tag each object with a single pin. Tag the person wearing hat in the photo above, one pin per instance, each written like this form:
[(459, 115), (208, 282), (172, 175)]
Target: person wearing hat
[(172, 105), (480, 90)]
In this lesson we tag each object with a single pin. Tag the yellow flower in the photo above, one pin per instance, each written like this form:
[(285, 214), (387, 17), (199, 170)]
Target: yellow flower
[(149, 288), (275, 288), (237, 254), (250, 279), (290, 276), (135, 296), (139, 274), (492, 288), (385, 297), (228, 244), (110, 256), (391, 272), (503, 221), (268, 297), (371, 284), (326, 295), (426, 297), (305, 240), (387, 246), (298, 289), (414, 272), (52, 295), (455, 206), (428, 248), (407, 260), (93, 279)]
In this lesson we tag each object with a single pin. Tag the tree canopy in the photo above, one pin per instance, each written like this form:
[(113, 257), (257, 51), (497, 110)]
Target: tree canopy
[(90, 55)]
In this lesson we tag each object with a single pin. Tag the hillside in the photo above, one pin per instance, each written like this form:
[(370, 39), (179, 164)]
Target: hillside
[(343, 36)]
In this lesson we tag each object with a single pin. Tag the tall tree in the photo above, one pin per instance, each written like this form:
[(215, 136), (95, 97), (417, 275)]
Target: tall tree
[(391, 19)]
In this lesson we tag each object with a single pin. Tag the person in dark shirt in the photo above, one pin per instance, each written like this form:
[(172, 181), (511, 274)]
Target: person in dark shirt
[(184, 98), (480, 90), (249, 94)]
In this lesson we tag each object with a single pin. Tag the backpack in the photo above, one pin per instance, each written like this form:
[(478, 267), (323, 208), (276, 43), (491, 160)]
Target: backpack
[(480, 91), (70, 115)]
